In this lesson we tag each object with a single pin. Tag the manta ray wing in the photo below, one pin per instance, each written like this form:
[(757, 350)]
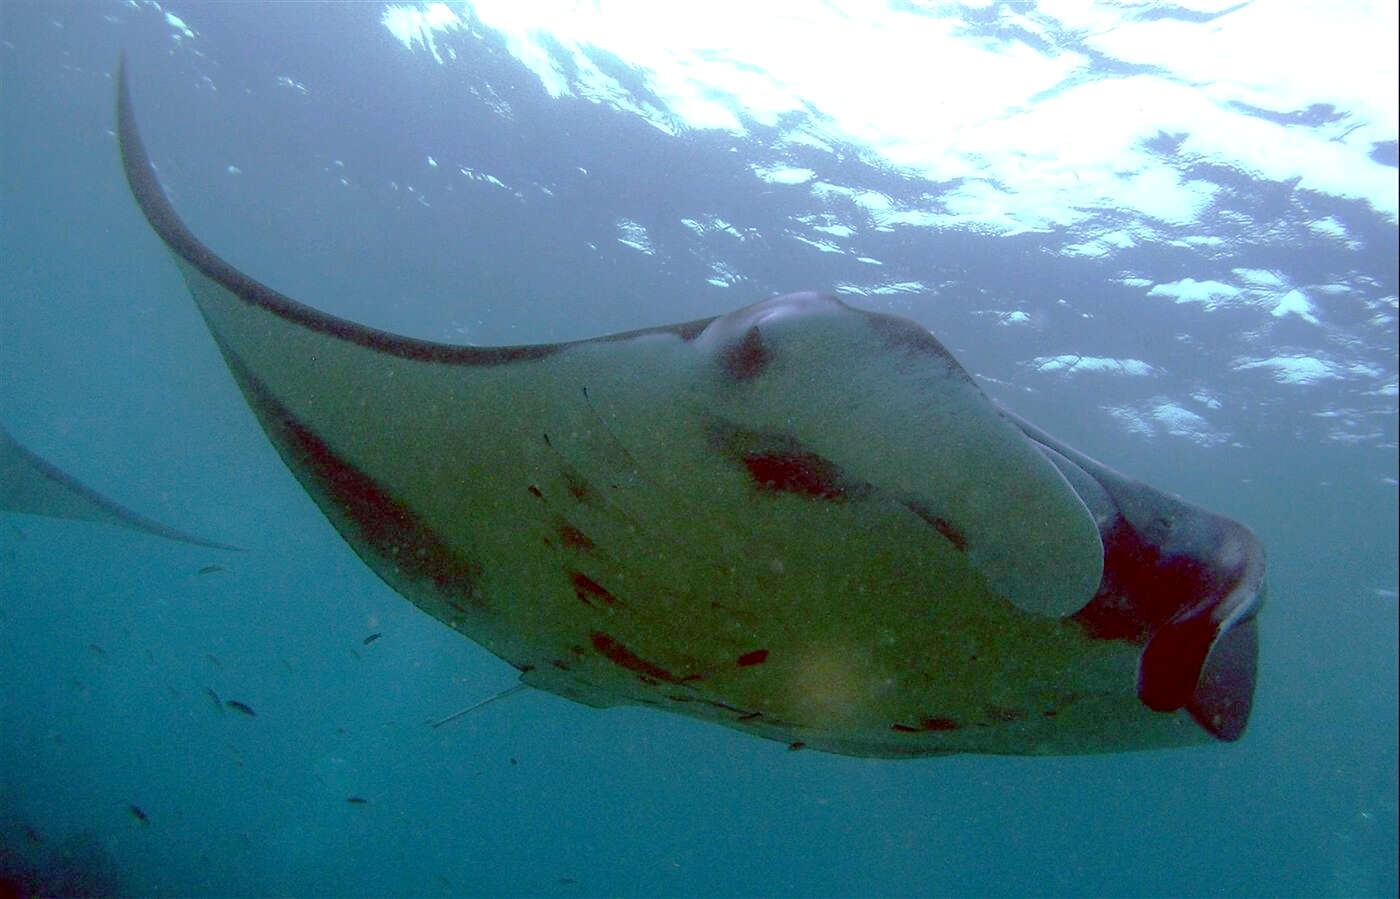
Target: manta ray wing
[(800, 519), (33, 486)]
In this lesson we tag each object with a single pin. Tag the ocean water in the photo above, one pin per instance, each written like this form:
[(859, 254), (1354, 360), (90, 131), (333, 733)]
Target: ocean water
[(1166, 234)]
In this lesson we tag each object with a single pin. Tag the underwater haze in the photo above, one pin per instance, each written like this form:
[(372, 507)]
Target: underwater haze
[(1166, 234)]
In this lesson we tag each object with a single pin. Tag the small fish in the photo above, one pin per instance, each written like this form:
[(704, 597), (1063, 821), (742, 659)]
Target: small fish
[(210, 569), (568, 882), (32, 834), (213, 660), (241, 707), (371, 638), (97, 650), (214, 697), (138, 814), (357, 800), (793, 747)]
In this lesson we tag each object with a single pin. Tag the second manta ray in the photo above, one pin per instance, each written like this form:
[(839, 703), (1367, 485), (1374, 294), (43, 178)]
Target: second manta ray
[(800, 520)]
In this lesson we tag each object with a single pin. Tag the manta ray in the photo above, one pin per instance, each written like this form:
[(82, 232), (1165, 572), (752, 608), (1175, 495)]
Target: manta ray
[(32, 485), (801, 520)]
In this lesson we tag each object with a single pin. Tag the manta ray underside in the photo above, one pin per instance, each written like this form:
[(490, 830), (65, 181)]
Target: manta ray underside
[(31, 485), (800, 520)]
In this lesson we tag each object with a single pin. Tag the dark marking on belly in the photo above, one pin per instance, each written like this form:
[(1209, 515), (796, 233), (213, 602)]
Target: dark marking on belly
[(580, 489), (587, 589), (621, 656), (364, 510), (778, 463), (756, 657), (748, 358), (535, 492), (926, 724), (572, 536), (939, 524), (805, 473), (725, 707)]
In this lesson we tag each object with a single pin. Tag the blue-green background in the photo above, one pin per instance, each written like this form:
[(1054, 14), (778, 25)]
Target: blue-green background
[(109, 639)]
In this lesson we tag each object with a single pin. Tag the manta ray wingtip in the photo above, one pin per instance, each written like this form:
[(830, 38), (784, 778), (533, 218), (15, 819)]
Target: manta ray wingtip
[(30, 484)]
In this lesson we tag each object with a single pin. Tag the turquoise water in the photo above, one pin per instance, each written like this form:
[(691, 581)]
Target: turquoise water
[(296, 141)]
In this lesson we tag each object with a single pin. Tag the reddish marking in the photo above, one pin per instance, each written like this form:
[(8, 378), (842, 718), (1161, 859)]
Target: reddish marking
[(579, 488), (572, 536), (757, 657), (927, 724), (692, 677), (952, 535), (747, 358), (535, 492), (722, 705), (623, 657), (939, 524), (374, 514), (585, 587), (797, 472), (749, 716)]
